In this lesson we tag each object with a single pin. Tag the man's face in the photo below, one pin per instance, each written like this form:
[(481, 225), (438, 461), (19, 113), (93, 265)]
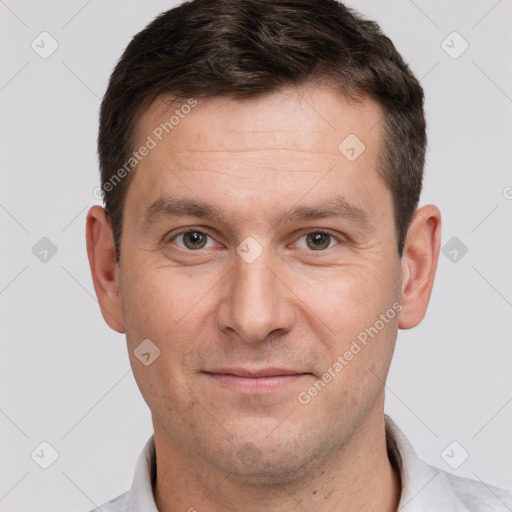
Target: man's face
[(288, 255)]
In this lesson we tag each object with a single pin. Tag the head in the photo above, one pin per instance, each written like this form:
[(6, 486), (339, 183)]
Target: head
[(206, 49), (261, 165)]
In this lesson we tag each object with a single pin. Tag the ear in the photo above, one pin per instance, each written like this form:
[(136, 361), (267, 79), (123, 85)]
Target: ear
[(419, 263), (104, 269)]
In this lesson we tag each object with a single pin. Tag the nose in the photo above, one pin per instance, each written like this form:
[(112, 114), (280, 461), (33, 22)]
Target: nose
[(257, 304)]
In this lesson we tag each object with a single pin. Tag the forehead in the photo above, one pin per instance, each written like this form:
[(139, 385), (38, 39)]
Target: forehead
[(307, 117), (292, 142)]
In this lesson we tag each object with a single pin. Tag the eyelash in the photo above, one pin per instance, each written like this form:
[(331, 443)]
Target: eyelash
[(304, 234)]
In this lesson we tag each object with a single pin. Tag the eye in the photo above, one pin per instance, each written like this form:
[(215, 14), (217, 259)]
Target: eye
[(317, 241), (192, 240)]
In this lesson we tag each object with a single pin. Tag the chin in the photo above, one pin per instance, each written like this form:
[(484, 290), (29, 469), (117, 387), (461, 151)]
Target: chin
[(275, 469), (270, 460)]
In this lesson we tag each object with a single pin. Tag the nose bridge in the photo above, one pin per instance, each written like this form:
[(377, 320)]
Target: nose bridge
[(256, 302)]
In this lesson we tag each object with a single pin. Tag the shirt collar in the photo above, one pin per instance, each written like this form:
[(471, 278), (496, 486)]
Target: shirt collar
[(141, 493)]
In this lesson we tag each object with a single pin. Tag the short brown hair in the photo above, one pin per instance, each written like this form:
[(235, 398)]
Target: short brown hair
[(246, 48)]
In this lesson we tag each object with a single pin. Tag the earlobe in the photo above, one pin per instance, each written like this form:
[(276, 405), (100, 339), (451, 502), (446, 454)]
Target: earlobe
[(419, 263), (104, 271)]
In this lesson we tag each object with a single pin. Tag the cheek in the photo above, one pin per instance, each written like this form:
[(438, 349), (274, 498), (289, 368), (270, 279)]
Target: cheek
[(160, 303), (174, 312), (166, 392), (359, 305), (160, 307), (358, 366), (350, 298)]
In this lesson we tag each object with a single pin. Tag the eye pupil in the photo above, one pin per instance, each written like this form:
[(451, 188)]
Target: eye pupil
[(318, 241), (194, 240)]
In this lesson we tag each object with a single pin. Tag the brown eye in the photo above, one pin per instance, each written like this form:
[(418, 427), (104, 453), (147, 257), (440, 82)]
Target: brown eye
[(318, 241)]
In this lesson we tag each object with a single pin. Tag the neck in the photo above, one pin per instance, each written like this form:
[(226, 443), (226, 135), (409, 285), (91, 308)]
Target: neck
[(357, 478)]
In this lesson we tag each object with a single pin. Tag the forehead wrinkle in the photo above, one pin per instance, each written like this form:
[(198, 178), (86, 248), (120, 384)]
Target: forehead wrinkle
[(253, 150)]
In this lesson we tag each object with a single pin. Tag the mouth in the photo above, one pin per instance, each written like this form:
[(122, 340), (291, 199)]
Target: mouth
[(262, 381)]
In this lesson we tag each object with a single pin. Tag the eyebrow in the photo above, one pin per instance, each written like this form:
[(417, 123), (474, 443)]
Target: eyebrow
[(337, 207), (168, 207)]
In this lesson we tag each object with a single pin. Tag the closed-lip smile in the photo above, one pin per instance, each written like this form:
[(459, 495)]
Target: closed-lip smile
[(255, 381)]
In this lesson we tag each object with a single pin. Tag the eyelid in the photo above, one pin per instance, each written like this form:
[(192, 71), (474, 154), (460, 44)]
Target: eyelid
[(190, 229), (333, 236), (206, 231)]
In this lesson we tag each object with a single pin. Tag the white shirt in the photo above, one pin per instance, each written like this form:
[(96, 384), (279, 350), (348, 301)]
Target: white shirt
[(424, 487)]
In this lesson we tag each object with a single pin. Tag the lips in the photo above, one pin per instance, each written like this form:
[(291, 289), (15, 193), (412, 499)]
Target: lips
[(265, 372), (258, 382)]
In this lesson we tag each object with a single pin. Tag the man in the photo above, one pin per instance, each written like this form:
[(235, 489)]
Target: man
[(261, 245)]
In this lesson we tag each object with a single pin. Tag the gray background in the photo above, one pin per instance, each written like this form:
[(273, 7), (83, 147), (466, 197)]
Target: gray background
[(65, 377)]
